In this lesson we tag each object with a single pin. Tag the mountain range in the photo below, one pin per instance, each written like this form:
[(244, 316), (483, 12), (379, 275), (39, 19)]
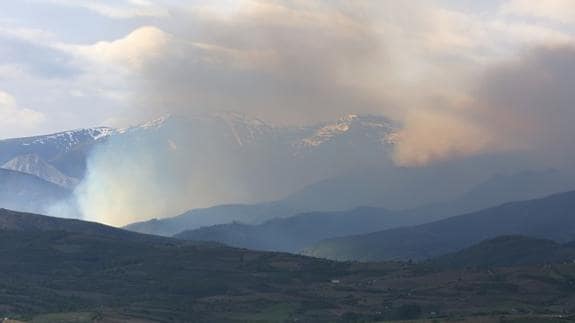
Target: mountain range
[(251, 155), (292, 234), (207, 217), (549, 218), (250, 158)]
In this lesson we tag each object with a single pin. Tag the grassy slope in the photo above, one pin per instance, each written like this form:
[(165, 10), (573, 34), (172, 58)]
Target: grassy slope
[(63, 272)]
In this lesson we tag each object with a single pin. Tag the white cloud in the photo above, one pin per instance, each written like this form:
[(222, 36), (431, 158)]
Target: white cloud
[(118, 9), (131, 51), (562, 11), (16, 120)]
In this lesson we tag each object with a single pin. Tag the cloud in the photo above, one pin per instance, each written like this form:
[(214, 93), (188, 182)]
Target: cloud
[(273, 60), (32, 49), (117, 9), (131, 51), (16, 120), (300, 62), (562, 11)]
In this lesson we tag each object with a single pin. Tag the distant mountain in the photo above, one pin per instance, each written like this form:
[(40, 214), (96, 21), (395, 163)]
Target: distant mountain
[(500, 189), (58, 149), (251, 157), (457, 188), (331, 166), (507, 251), (34, 165), (296, 232), (27, 192), (197, 218), (520, 186), (549, 218)]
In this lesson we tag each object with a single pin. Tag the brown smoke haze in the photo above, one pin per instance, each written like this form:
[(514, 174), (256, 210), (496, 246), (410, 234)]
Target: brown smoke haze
[(301, 62), (458, 85)]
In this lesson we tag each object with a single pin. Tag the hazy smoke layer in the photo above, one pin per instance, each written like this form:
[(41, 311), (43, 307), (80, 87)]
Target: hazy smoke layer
[(418, 63), (522, 104), (460, 87), (284, 62), (159, 170)]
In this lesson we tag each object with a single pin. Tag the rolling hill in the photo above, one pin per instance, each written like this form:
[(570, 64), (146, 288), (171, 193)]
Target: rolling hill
[(197, 218), (14, 221), (550, 218), (507, 251), (57, 270), (297, 232), (294, 233)]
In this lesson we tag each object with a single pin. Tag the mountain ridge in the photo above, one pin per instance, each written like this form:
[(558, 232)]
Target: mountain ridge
[(548, 217), (34, 165), (507, 251)]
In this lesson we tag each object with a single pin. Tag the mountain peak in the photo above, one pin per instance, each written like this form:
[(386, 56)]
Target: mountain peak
[(33, 164), (368, 125), (157, 122)]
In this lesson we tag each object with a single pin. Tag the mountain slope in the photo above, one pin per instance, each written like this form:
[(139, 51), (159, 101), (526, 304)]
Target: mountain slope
[(73, 276), (550, 218), (28, 193), (507, 251), (197, 218), (34, 165), (54, 146), (399, 188), (35, 223), (294, 233)]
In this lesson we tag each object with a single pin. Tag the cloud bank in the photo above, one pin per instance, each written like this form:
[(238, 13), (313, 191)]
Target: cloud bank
[(15, 120)]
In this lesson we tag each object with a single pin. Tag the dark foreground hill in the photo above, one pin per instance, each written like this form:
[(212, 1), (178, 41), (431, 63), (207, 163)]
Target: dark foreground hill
[(55, 270), (34, 223), (552, 218)]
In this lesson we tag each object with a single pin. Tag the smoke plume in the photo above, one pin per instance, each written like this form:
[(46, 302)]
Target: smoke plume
[(447, 77)]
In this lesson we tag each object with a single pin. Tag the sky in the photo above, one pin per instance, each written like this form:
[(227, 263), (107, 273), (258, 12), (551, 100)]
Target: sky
[(463, 77)]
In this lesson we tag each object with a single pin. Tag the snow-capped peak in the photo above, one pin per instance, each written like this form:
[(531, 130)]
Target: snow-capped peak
[(34, 165), (327, 132), (156, 123)]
